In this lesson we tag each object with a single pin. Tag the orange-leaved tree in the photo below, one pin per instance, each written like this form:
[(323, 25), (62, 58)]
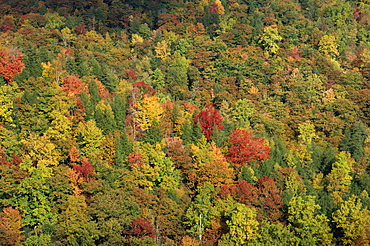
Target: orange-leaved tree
[(10, 63), (246, 147)]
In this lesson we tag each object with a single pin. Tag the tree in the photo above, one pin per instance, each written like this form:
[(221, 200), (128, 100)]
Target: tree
[(89, 138), (73, 84), (270, 202), (353, 220), (246, 148), (10, 63), (353, 141), (113, 209), (10, 227), (149, 111), (104, 117), (7, 24), (217, 171), (209, 119), (140, 228), (269, 39), (198, 216), (74, 224), (7, 95), (242, 225), (243, 112), (311, 228), (340, 177)]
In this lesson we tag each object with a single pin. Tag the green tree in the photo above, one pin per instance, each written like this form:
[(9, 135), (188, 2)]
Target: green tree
[(354, 140), (74, 224), (198, 216), (89, 138), (311, 228)]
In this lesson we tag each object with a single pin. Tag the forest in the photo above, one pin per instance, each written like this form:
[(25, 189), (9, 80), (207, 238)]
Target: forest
[(184, 122)]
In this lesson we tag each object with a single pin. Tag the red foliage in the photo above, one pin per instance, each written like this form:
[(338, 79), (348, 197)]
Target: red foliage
[(135, 160), (10, 63), (73, 84), (296, 52), (14, 161), (246, 148), (86, 171), (270, 198), (242, 192), (7, 25), (103, 92), (131, 74), (80, 29), (209, 119), (77, 113), (145, 89), (22, 20), (214, 8), (140, 228)]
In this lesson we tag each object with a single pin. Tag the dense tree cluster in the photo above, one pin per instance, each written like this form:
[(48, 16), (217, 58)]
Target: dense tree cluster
[(194, 122)]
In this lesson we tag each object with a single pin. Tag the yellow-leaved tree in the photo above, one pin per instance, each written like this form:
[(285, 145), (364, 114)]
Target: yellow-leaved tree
[(149, 111), (340, 177)]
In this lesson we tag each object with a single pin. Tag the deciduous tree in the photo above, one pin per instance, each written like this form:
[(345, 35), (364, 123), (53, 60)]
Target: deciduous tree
[(209, 119), (246, 148), (10, 63)]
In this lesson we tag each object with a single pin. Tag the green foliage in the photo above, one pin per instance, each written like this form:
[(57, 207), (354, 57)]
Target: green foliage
[(353, 221), (311, 228), (353, 140), (242, 226), (269, 39), (90, 154)]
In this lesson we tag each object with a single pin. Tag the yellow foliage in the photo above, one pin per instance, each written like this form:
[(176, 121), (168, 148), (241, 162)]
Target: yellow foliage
[(161, 49), (136, 39), (149, 111), (189, 241), (328, 46)]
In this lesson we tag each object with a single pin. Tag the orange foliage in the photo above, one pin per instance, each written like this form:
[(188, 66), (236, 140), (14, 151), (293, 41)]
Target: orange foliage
[(73, 84), (10, 63)]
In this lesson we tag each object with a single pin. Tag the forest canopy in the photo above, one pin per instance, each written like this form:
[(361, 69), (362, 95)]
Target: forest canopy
[(190, 122)]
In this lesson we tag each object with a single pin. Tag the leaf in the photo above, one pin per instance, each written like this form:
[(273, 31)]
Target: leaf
[(10, 63)]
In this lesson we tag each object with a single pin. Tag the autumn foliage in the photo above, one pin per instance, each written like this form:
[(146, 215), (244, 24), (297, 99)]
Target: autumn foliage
[(246, 148), (73, 84), (209, 119), (10, 227), (85, 170), (10, 63), (140, 228)]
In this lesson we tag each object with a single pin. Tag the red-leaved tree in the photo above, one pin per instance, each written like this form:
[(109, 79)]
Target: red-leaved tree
[(73, 84), (270, 200), (85, 170), (242, 192), (7, 24), (135, 160), (246, 147), (140, 228), (10, 63), (209, 119)]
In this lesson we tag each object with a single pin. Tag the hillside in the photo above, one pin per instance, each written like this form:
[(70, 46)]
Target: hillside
[(199, 122)]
